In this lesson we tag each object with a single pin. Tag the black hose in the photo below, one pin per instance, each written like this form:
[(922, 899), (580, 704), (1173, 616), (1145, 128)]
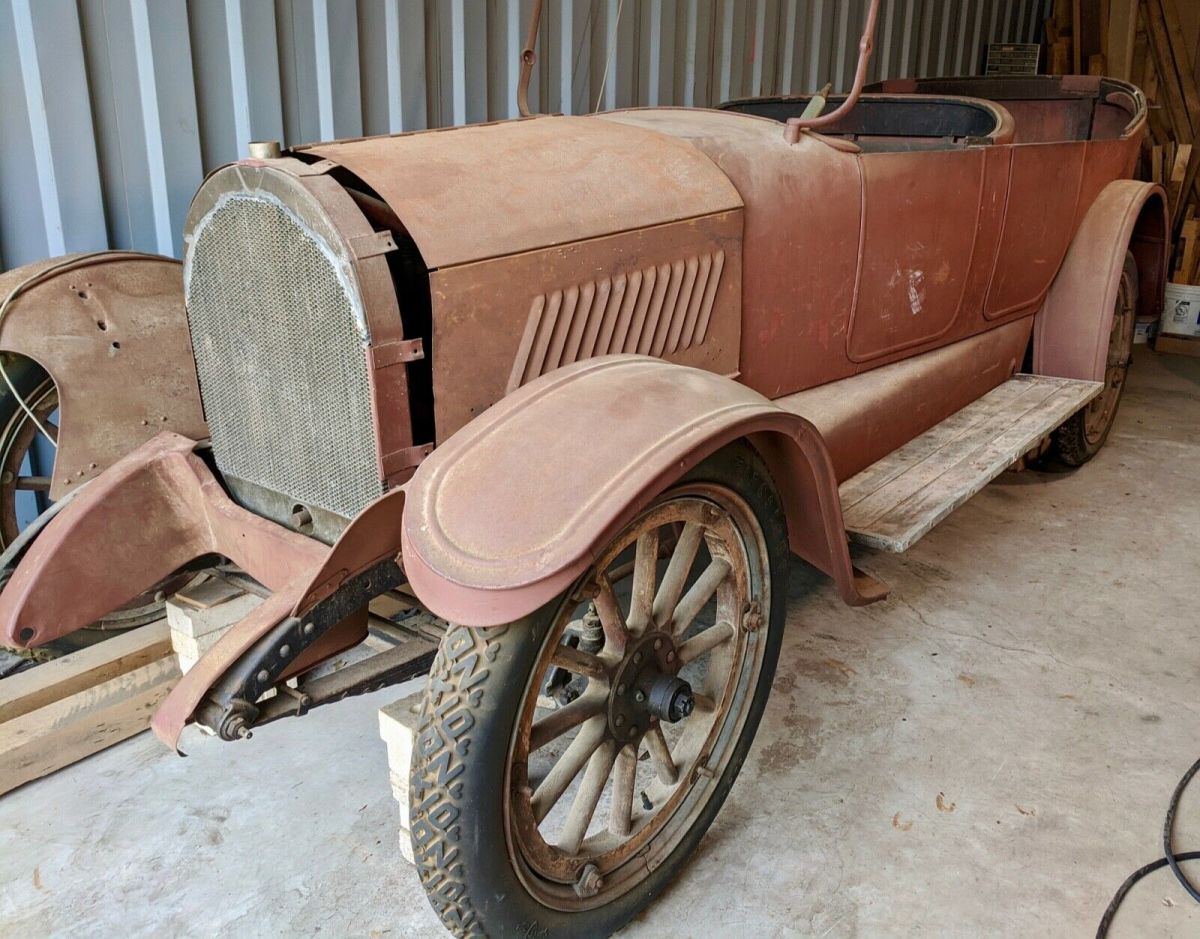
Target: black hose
[(1169, 825), (1169, 859)]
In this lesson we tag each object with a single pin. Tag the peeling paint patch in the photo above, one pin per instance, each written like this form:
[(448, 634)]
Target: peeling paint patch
[(916, 291)]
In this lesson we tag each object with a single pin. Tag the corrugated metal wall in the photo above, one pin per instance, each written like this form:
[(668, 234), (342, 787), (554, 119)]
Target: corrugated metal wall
[(112, 110)]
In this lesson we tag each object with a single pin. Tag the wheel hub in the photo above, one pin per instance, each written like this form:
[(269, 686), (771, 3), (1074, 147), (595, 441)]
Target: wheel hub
[(646, 687)]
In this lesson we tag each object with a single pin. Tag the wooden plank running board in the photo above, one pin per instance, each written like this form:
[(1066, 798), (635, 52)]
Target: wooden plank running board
[(892, 504)]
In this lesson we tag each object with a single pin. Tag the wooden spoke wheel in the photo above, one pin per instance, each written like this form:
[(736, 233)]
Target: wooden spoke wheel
[(1082, 436), (17, 436), (572, 761)]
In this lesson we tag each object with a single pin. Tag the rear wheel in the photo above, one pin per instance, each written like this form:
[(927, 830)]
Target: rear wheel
[(1084, 433), (18, 433), (567, 765)]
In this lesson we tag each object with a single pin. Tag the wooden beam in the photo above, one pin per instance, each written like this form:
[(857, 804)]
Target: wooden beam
[(1122, 30), (1076, 38), (1182, 60), (71, 728), (37, 687), (1169, 92)]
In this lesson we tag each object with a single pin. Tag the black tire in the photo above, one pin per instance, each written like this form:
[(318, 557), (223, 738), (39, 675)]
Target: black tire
[(473, 698), (1083, 434)]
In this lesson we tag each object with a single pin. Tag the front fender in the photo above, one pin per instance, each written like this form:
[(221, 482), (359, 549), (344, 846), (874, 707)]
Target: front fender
[(515, 506), (1070, 335)]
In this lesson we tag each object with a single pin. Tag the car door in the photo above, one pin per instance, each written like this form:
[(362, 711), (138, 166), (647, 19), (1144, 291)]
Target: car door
[(928, 238)]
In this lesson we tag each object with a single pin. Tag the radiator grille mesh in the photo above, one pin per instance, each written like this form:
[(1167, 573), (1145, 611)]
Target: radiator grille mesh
[(278, 336), (655, 311)]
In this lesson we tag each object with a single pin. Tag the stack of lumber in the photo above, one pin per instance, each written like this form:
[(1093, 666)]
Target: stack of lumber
[(1149, 43), (1163, 67), (63, 710), (1166, 68)]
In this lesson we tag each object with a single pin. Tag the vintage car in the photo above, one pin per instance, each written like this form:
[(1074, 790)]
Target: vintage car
[(580, 385)]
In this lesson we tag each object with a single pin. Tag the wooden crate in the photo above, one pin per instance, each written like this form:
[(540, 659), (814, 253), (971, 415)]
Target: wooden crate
[(63, 710)]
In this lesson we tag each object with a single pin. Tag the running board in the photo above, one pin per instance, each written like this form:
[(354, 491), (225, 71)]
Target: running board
[(892, 504)]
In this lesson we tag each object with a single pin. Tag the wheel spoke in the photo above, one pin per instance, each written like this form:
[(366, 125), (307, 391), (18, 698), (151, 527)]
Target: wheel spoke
[(587, 798), (645, 572), (562, 719), (704, 704), (586, 742), (705, 641), (51, 431), (579, 663), (660, 756), (699, 595), (616, 633), (674, 580), (620, 821), (34, 483)]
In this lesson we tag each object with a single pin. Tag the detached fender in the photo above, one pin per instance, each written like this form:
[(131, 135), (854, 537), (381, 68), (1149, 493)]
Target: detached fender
[(514, 507), (1070, 335), (111, 330)]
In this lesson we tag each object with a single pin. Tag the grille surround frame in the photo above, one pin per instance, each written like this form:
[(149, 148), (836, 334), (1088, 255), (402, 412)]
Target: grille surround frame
[(323, 418)]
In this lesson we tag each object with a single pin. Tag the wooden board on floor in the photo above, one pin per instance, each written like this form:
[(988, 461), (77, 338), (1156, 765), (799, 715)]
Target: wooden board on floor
[(61, 733), (60, 678), (895, 502)]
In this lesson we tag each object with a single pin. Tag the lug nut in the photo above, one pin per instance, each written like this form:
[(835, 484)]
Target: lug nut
[(657, 643), (619, 720), (639, 697), (589, 882)]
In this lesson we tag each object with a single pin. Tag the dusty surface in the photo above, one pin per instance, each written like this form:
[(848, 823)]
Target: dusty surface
[(989, 752)]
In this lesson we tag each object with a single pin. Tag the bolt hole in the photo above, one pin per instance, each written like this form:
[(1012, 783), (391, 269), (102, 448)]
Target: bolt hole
[(101, 325), (83, 294), (27, 633), (116, 345)]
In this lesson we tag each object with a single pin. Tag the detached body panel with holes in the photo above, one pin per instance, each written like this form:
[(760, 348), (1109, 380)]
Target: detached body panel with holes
[(580, 383)]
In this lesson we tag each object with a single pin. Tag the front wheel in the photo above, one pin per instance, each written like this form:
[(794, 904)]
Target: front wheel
[(568, 764)]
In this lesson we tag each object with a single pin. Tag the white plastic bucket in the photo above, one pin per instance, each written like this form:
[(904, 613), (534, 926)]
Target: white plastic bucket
[(1181, 311)]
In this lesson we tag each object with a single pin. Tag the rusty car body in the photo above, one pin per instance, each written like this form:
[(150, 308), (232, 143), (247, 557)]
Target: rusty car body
[(470, 360)]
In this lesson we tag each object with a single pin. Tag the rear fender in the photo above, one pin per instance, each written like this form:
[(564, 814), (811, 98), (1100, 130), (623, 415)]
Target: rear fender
[(514, 507), (92, 321), (1070, 335)]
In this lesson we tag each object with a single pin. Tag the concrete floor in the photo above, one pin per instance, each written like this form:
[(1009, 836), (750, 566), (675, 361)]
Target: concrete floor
[(989, 752)]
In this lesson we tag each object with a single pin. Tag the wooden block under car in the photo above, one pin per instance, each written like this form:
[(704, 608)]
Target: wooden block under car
[(398, 728), (61, 711), (195, 631)]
